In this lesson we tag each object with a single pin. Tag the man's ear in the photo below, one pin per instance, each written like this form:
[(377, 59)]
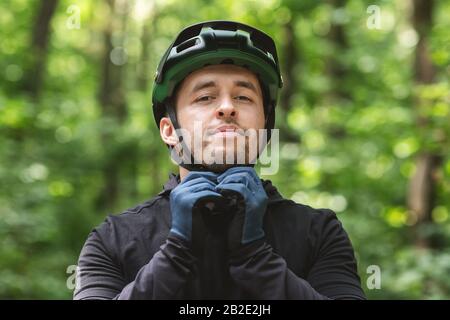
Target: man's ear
[(167, 131)]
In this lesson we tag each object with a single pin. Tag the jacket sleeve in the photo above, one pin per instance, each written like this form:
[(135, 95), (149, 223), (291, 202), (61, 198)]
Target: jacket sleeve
[(100, 276), (333, 273)]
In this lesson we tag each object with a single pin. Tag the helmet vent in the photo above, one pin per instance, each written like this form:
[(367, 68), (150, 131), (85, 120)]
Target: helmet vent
[(187, 44)]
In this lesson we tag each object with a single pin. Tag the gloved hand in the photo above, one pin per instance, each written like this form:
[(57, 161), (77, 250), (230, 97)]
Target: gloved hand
[(197, 190), (242, 185)]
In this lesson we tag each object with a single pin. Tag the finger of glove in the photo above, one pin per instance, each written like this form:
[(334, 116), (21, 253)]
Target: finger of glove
[(203, 186), (193, 191), (249, 170), (237, 187), (194, 182), (216, 200), (209, 195), (186, 201), (242, 178), (206, 175)]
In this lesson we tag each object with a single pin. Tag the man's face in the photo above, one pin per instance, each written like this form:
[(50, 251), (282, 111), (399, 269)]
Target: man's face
[(224, 102)]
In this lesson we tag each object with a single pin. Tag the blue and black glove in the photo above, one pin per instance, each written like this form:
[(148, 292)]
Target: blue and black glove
[(243, 186), (196, 192)]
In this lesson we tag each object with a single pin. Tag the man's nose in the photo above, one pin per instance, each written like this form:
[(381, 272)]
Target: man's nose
[(226, 110)]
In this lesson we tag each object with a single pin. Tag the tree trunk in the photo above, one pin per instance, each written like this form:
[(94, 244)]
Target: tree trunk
[(336, 70), (421, 193), (291, 59), (153, 154), (114, 109), (41, 33), (144, 73)]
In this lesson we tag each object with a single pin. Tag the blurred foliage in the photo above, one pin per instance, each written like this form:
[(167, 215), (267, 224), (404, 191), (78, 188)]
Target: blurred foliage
[(354, 154)]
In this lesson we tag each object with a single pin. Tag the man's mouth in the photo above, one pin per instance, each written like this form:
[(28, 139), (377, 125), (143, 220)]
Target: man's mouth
[(227, 131), (227, 134)]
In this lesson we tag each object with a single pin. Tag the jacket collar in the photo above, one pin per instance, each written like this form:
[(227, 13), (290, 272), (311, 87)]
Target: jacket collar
[(271, 190)]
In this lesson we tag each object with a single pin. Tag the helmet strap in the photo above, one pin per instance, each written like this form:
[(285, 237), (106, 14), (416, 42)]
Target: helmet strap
[(192, 166)]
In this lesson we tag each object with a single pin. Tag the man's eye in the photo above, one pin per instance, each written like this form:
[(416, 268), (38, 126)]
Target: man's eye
[(243, 98), (205, 98)]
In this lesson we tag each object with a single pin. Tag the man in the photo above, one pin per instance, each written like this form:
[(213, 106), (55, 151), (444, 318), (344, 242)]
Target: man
[(217, 230)]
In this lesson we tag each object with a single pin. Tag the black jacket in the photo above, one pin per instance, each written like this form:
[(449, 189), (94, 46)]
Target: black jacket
[(306, 254)]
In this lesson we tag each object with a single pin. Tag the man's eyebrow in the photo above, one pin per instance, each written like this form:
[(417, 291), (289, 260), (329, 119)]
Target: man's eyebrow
[(203, 85), (240, 83), (246, 84)]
